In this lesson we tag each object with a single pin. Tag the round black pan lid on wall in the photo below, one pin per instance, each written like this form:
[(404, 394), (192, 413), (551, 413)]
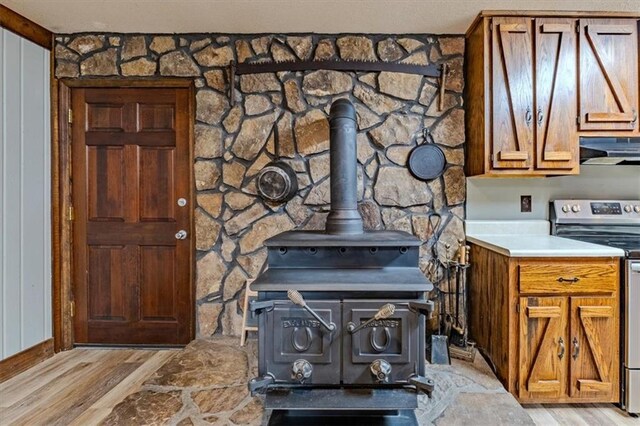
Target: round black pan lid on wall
[(426, 161)]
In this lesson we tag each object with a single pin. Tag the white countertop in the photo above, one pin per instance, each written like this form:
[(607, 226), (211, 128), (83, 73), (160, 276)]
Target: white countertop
[(531, 239)]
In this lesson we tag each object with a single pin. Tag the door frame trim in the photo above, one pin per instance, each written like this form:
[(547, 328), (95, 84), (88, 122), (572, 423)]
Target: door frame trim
[(61, 194)]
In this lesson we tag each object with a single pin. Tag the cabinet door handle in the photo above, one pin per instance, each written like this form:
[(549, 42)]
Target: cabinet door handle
[(528, 116), (568, 280), (540, 116), (561, 348), (635, 117), (576, 348)]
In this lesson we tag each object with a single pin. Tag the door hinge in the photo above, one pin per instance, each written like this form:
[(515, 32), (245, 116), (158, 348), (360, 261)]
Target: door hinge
[(72, 308), (70, 116), (70, 214)]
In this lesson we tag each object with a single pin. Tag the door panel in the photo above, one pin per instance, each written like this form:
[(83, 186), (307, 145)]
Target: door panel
[(594, 348), (107, 286), (543, 347), (157, 201), (131, 162), (512, 95), (106, 181), (608, 74), (391, 339), (157, 279), (556, 102), (291, 333)]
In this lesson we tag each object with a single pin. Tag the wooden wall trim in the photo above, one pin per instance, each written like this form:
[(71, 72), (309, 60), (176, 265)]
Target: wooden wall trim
[(26, 359), (26, 28), (176, 82)]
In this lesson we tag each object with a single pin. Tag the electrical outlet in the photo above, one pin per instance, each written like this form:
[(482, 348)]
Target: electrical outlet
[(525, 203)]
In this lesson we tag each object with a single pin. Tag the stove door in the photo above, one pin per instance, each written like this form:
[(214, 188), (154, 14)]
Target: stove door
[(294, 340), (395, 340)]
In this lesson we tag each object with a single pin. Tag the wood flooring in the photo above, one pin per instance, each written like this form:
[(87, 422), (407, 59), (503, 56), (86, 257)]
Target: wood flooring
[(81, 386), (77, 387)]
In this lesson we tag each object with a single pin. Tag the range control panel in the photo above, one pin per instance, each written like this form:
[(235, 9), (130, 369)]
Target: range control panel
[(591, 209)]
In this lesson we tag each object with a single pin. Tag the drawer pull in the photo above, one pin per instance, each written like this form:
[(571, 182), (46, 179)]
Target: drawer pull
[(568, 280)]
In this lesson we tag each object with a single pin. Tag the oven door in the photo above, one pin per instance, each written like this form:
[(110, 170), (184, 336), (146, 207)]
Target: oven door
[(290, 334), (394, 340)]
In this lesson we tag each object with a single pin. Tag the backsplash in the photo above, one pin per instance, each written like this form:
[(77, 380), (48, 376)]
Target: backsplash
[(233, 143), (500, 198)]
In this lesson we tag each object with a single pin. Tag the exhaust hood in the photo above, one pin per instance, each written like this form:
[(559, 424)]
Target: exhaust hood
[(610, 151)]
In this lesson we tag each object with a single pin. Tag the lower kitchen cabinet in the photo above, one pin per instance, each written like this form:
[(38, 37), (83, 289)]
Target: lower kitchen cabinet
[(549, 327)]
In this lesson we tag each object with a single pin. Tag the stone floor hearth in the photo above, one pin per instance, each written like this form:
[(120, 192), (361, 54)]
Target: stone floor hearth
[(206, 383)]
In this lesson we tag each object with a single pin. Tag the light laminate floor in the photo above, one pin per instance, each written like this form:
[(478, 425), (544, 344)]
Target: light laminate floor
[(77, 387), (81, 386), (579, 415)]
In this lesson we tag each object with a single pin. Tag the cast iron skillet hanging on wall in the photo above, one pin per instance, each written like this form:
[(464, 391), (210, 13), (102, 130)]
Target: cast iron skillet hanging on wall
[(277, 182), (426, 161)]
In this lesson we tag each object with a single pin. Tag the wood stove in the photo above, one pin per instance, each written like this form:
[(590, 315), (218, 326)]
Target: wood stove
[(342, 311)]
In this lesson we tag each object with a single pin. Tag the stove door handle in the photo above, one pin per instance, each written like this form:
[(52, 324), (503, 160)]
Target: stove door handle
[(297, 299)]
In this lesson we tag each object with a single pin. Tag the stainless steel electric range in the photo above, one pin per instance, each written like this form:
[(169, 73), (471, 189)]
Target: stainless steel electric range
[(614, 223)]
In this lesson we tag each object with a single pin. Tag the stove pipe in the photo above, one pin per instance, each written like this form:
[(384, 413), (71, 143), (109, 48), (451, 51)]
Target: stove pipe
[(344, 217)]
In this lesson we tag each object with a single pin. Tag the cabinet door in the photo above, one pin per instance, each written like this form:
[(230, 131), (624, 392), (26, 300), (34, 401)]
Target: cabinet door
[(556, 101), (543, 347), (608, 74), (512, 94), (594, 348)]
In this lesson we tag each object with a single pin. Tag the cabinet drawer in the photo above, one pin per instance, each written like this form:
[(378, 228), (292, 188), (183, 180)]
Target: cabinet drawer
[(568, 278)]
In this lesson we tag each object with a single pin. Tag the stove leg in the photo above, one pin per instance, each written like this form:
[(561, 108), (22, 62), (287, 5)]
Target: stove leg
[(342, 418)]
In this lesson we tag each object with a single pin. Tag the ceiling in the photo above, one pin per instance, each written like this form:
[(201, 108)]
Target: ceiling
[(274, 16)]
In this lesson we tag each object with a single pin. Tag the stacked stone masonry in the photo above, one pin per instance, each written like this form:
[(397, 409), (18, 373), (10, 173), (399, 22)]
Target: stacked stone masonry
[(232, 144)]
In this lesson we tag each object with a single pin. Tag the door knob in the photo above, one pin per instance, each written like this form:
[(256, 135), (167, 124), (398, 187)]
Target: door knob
[(181, 234), (182, 202)]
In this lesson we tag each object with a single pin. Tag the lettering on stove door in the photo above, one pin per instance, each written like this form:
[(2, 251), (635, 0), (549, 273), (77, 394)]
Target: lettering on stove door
[(300, 322), (387, 323)]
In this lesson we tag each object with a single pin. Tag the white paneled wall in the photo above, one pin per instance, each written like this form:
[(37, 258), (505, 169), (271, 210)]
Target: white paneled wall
[(25, 210)]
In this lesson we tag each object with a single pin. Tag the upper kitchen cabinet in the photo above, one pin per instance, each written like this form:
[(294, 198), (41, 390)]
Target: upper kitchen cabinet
[(608, 74), (532, 90)]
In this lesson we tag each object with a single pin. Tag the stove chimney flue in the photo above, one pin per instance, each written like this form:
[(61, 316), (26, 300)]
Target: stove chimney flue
[(344, 217)]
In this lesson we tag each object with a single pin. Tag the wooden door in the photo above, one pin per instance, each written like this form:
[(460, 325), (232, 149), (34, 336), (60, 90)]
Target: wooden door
[(131, 164), (543, 347), (512, 94), (556, 99), (594, 348), (608, 74)]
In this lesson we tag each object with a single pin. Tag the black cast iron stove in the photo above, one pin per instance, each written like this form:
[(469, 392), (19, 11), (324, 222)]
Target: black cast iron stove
[(342, 312)]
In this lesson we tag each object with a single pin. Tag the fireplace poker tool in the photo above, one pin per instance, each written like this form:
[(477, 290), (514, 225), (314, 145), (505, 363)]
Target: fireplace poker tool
[(440, 341)]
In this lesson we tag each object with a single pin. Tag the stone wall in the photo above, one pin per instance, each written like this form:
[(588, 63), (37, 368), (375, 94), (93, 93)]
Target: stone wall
[(232, 144)]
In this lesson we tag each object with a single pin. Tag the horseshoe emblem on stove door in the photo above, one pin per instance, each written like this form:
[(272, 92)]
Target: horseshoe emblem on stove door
[(374, 341), (294, 339)]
